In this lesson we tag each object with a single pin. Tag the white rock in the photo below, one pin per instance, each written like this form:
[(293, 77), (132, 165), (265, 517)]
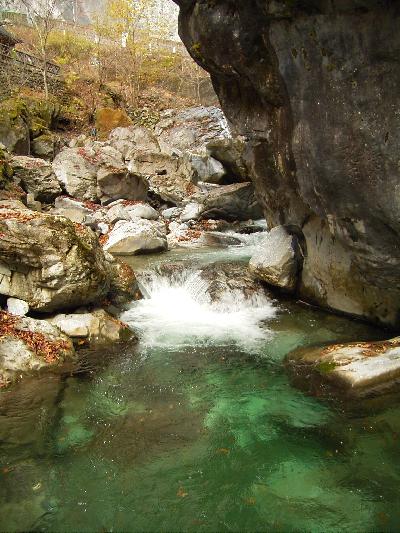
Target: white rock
[(17, 307), (72, 209), (142, 210), (140, 235), (191, 211), (276, 261), (207, 169), (171, 212)]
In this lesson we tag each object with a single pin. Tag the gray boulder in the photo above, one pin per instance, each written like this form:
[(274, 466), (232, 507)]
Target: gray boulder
[(230, 202), (190, 129), (205, 168), (44, 146), (28, 345), (140, 235), (357, 369), (36, 176), (49, 262), (131, 139), (277, 260)]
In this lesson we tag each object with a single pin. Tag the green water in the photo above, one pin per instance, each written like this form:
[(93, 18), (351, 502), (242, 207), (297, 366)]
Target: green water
[(204, 438)]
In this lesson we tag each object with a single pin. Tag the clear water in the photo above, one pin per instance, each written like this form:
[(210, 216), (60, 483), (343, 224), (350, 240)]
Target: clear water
[(193, 430)]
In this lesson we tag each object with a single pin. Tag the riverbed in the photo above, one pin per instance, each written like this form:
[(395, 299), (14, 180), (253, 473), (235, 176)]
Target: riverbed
[(197, 427)]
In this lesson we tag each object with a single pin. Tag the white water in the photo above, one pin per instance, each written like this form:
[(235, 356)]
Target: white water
[(178, 310)]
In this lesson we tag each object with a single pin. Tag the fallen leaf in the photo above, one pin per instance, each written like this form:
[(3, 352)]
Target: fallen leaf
[(181, 493)]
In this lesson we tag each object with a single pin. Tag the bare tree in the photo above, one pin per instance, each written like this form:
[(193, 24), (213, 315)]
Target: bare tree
[(43, 15)]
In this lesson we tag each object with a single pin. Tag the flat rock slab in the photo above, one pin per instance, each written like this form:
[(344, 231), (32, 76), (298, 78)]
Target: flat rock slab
[(358, 368)]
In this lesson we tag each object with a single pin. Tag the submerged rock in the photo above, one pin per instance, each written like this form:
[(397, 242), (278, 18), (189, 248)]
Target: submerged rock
[(358, 368), (277, 260)]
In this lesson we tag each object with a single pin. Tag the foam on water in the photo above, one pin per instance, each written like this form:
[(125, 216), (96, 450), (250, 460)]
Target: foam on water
[(178, 310)]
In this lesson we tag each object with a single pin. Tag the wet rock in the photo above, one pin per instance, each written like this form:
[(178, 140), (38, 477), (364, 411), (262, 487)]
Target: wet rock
[(230, 202), (36, 176), (27, 345), (140, 235), (358, 368), (190, 129), (277, 260), (17, 307), (49, 262), (132, 139), (97, 327)]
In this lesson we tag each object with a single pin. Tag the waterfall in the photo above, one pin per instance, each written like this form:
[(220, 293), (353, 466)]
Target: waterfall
[(178, 309)]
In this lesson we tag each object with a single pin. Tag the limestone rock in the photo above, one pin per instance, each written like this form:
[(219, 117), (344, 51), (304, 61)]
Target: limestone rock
[(230, 202), (17, 307), (191, 211), (128, 238), (49, 262), (357, 368), (277, 260), (131, 139), (97, 326), (205, 168), (72, 209), (190, 129), (36, 176), (76, 170), (27, 345)]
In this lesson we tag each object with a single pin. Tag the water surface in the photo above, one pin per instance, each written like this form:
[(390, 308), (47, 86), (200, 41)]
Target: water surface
[(199, 429)]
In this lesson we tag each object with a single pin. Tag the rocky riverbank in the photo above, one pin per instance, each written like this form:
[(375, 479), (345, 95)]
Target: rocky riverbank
[(65, 220)]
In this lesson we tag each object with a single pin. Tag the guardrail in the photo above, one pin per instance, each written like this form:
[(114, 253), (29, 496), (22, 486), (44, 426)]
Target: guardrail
[(27, 61)]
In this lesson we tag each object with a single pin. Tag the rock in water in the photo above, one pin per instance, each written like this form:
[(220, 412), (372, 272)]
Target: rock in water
[(129, 238), (308, 86), (277, 260), (356, 368), (27, 344)]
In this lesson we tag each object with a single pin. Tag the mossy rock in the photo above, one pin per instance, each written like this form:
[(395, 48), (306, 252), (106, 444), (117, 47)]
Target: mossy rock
[(14, 126), (6, 170), (107, 119)]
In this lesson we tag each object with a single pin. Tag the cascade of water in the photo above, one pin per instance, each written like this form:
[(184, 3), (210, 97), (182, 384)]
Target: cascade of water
[(178, 309)]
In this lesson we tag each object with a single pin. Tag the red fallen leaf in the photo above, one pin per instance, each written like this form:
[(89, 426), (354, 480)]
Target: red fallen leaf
[(181, 493)]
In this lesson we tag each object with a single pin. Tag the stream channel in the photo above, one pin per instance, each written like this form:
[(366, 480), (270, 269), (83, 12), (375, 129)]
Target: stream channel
[(197, 427)]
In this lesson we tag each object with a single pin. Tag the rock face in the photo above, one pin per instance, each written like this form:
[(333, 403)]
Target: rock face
[(278, 259), (357, 369), (50, 263), (309, 87)]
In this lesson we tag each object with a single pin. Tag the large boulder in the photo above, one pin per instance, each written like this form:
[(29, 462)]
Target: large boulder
[(36, 177), (205, 168), (230, 202), (168, 175), (131, 139), (309, 87), (49, 262), (140, 235), (278, 259), (190, 129), (28, 345), (97, 172), (355, 369)]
